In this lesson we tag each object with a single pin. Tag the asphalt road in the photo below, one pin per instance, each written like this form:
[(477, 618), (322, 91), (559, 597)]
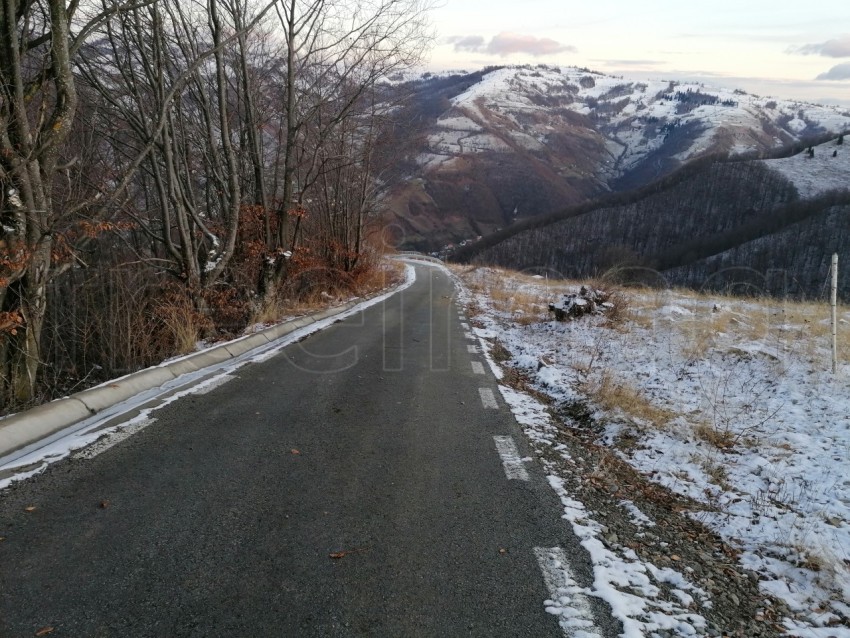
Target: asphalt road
[(349, 486)]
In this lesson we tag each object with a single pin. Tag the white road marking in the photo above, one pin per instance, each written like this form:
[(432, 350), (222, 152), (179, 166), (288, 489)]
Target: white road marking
[(477, 367), (568, 601), (473, 349), (488, 399), (511, 461), (465, 326), (469, 335), (113, 438)]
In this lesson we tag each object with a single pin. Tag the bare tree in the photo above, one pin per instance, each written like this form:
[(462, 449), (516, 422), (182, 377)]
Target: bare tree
[(39, 40), (201, 108), (336, 53), (38, 102)]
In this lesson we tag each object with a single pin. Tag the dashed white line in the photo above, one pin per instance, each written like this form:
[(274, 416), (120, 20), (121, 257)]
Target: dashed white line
[(465, 326), (473, 349), (469, 335), (511, 461), (568, 600), (488, 399), (477, 367)]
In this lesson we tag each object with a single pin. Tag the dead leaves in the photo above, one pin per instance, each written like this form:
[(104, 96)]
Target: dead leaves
[(44, 631), (293, 451), (30, 508), (346, 552)]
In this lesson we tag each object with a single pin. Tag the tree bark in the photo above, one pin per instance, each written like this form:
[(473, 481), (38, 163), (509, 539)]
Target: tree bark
[(36, 112)]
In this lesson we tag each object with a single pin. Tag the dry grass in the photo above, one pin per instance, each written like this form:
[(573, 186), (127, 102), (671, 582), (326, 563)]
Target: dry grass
[(622, 315), (526, 298), (326, 288), (525, 308), (522, 297), (721, 439), (378, 277), (269, 310), (183, 325), (799, 328), (700, 333), (617, 396), (715, 471)]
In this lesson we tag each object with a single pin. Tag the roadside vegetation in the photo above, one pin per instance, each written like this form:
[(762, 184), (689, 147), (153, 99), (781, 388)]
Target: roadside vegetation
[(726, 402), (176, 171)]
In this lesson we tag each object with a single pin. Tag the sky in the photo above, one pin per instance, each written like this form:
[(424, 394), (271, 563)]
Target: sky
[(794, 50)]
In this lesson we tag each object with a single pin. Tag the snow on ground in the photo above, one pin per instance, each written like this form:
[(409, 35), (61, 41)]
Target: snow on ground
[(731, 403), (816, 175)]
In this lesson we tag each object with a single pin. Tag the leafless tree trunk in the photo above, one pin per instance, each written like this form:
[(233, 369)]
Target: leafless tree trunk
[(183, 112), (38, 100), (336, 53), (186, 88)]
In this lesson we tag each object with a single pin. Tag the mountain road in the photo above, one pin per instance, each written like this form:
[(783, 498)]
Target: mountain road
[(366, 481)]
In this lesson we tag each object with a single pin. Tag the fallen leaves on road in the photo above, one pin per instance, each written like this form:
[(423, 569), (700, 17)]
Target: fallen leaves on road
[(294, 451), (44, 631), (344, 553), (104, 504), (502, 550), (30, 508)]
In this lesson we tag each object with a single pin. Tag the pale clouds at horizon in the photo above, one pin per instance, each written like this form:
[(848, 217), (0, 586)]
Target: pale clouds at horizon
[(790, 50)]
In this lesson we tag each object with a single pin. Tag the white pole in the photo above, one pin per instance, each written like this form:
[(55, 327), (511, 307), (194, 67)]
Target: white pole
[(834, 302)]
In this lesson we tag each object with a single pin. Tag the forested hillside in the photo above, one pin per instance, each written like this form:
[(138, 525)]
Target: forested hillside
[(720, 225), (172, 171)]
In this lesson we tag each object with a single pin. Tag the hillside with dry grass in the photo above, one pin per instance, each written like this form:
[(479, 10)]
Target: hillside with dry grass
[(725, 404)]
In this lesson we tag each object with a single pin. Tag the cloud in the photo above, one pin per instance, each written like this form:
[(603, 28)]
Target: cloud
[(838, 72), (836, 48), (631, 62), (506, 43), (467, 42)]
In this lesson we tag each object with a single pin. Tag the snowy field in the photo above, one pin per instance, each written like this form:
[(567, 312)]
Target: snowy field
[(729, 402), (828, 170)]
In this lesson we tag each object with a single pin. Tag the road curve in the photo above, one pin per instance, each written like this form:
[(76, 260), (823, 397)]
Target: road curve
[(360, 483)]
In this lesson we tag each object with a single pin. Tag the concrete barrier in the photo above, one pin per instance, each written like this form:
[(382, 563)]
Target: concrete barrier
[(25, 428), (108, 394)]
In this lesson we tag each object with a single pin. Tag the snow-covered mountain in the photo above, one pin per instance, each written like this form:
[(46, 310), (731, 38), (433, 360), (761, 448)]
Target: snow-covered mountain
[(511, 142)]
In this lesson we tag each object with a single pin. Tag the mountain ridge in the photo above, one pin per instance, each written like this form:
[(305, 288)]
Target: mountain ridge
[(507, 143), (765, 225)]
